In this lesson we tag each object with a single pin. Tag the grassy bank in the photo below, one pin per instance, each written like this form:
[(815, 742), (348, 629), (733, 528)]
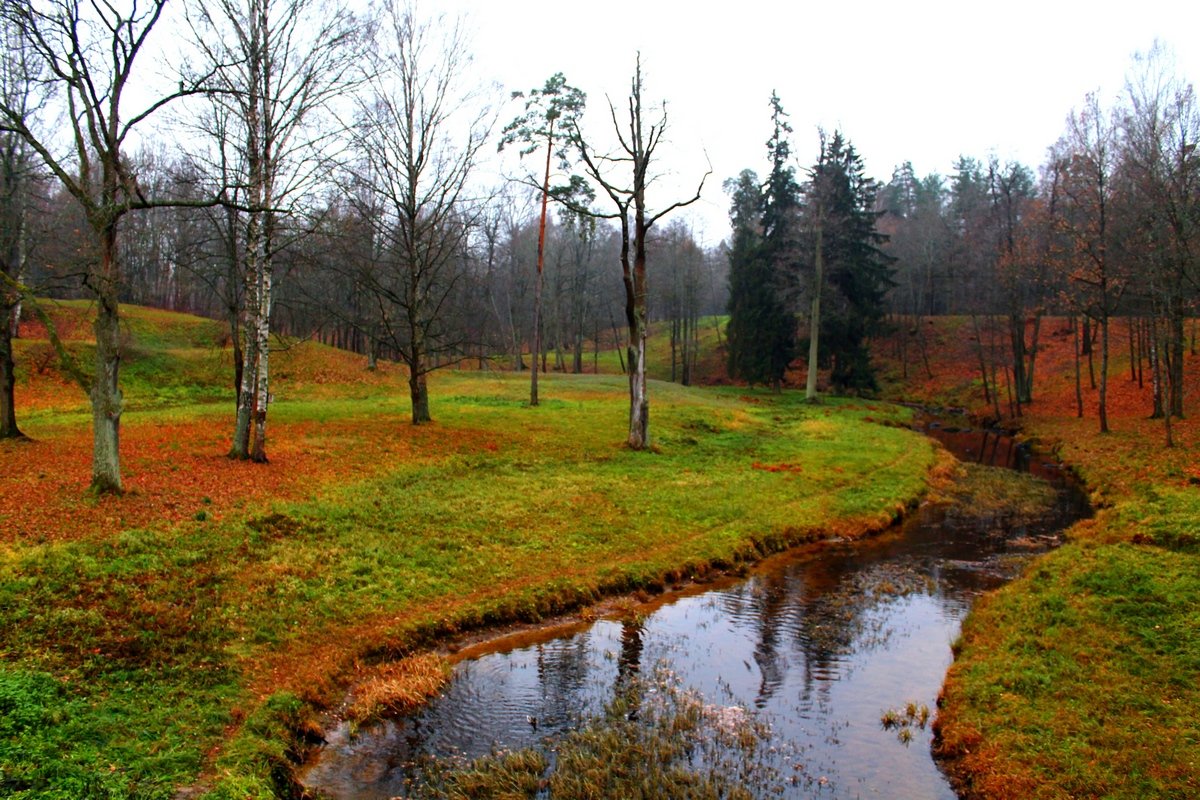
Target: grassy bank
[(1079, 679), (189, 629)]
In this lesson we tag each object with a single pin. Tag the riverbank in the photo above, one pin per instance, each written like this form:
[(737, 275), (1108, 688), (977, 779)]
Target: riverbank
[(1078, 680), (831, 619), (187, 633)]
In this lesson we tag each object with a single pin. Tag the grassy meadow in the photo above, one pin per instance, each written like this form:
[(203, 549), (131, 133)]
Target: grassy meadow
[(186, 634)]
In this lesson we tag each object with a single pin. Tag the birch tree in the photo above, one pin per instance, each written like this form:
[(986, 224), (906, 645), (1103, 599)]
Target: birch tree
[(276, 65)]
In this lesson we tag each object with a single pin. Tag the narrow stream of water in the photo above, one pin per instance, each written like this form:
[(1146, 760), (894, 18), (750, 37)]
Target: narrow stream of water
[(818, 643)]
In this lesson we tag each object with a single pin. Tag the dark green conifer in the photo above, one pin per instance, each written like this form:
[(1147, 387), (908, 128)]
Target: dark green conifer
[(762, 259), (857, 273)]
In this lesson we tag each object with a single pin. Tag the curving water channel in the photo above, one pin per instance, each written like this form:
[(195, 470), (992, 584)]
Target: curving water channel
[(818, 643)]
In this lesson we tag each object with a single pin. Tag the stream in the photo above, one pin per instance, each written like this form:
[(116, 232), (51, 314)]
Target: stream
[(818, 643)]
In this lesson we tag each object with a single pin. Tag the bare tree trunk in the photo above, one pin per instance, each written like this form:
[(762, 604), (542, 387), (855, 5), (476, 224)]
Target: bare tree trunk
[(373, 352), (617, 341), (418, 391), (983, 371), (1016, 330), (1104, 374), (106, 395), (577, 357), (1133, 356), (8, 380), (262, 344), (1141, 350), (675, 348), (1030, 363), (1161, 376), (1089, 337), (1013, 410), (639, 405), (1156, 373), (10, 319), (1079, 388), (238, 355), (689, 350), (251, 301), (10, 316), (814, 321), (537, 292), (1175, 337), (635, 315), (994, 363)]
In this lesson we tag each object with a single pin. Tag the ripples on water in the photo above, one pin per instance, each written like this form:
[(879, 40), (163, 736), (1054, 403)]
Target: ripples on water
[(817, 644)]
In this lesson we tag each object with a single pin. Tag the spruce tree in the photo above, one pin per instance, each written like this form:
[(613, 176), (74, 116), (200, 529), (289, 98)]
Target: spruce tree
[(745, 248), (764, 250), (840, 201)]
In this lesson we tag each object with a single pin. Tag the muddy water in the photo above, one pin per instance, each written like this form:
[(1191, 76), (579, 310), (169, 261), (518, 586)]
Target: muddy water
[(819, 643)]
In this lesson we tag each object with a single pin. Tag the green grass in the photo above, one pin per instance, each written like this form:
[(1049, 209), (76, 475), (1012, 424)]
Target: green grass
[(167, 359), (1078, 680), (1088, 686), (142, 660)]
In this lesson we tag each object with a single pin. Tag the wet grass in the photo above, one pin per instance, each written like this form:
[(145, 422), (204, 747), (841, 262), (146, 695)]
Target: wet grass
[(1014, 497), (654, 740), (194, 645), (397, 687)]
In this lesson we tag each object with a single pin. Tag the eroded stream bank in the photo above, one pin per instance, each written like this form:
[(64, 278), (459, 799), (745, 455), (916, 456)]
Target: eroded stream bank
[(816, 646)]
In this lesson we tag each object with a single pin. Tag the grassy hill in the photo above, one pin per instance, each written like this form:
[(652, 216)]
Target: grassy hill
[(186, 633)]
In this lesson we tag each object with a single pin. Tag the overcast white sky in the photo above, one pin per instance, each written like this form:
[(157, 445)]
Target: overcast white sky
[(919, 80)]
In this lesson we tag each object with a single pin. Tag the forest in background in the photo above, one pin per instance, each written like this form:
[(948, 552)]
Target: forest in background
[(321, 185)]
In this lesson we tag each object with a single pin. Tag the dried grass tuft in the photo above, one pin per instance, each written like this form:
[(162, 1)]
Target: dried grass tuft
[(399, 686)]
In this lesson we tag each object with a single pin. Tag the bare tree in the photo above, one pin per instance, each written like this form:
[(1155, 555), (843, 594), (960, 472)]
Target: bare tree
[(419, 138), (88, 52), (1161, 169), (275, 65), (1090, 147), (18, 80), (637, 145)]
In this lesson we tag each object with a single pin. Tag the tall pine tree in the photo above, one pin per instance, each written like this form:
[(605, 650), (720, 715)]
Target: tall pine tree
[(762, 257), (840, 203)]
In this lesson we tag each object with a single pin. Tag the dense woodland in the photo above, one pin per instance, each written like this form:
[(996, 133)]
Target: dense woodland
[(320, 182)]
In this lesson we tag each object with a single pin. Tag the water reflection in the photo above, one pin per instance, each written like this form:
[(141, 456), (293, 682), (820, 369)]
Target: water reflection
[(818, 642)]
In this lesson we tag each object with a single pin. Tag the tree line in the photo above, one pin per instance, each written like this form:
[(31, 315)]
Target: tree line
[(1104, 232), (322, 182), (336, 151)]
